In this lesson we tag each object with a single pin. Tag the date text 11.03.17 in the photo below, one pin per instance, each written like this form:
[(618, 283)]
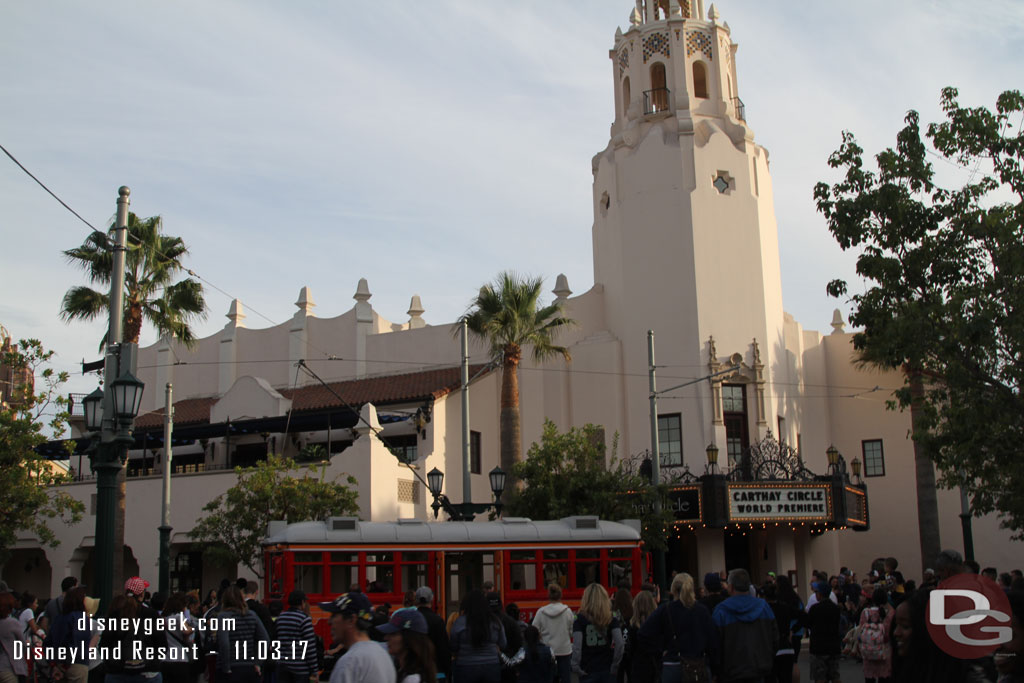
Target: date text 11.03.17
[(270, 651)]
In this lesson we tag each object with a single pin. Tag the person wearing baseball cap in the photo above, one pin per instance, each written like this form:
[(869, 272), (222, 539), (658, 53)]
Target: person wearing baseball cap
[(437, 631), (136, 587), (408, 643), (364, 661)]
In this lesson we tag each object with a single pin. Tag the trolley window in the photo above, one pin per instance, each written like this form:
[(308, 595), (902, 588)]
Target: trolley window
[(522, 570), (588, 567), (380, 572), (556, 567), (414, 570), (344, 571), (620, 565), (309, 572)]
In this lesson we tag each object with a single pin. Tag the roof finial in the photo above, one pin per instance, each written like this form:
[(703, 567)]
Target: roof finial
[(838, 325), (561, 289), (305, 302), (415, 313), (362, 294), (236, 314)]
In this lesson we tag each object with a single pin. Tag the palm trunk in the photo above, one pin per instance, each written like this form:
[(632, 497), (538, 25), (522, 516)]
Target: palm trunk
[(119, 516), (511, 436), (927, 498)]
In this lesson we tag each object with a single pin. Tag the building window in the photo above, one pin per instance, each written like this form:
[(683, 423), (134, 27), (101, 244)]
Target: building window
[(670, 439), (782, 429), (404, 446), (734, 414), (874, 459), (475, 466), (625, 96)]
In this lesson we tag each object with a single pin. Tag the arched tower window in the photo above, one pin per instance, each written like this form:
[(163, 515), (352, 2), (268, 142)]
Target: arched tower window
[(658, 100), (700, 80), (626, 95)]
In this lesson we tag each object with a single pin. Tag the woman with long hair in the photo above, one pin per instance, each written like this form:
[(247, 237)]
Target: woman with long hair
[(178, 667), (477, 639), (917, 659), (597, 642), (409, 645), (237, 647), (65, 632), (539, 664), (787, 595), (681, 630), (643, 663)]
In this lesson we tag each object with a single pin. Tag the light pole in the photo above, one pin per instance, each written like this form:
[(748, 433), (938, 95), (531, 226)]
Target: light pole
[(110, 415), (164, 573), (467, 510)]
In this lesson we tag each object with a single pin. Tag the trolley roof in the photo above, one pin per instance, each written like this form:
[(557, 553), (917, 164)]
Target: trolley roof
[(348, 530)]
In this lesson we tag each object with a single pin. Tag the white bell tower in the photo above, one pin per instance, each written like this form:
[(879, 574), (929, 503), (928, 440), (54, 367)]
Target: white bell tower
[(685, 239)]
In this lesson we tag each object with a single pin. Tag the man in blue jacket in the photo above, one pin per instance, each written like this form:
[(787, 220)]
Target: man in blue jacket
[(747, 633)]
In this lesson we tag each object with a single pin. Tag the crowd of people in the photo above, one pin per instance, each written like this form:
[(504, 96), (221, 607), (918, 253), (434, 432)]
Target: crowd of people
[(731, 630)]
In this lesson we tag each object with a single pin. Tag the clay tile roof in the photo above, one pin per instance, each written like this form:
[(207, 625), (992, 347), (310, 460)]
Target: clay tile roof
[(187, 411), (379, 390), (411, 386)]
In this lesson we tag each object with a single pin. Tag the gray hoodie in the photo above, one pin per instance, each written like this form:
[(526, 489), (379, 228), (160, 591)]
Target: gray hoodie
[(554, 621)]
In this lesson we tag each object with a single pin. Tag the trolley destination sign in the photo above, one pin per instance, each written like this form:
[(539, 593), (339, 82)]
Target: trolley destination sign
[(780, 502)]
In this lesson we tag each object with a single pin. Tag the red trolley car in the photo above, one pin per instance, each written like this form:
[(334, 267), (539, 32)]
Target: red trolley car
[(386, 559)]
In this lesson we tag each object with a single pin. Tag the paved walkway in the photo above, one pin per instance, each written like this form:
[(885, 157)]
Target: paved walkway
[(850, 670)]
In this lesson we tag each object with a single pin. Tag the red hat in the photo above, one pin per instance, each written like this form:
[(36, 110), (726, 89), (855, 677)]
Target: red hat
[(136, 585)]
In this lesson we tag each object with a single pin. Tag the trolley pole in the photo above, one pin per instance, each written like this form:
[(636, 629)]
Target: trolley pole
[(163, 583), (467, 488), (659, 555)]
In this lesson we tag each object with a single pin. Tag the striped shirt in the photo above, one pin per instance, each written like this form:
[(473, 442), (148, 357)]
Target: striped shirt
[(298, 644), (240, 646)]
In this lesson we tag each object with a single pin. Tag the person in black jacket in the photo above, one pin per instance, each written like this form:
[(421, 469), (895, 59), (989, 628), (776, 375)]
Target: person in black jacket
[(826, 639), (436, 631), (746, 627), (513, 636), (681, 631)]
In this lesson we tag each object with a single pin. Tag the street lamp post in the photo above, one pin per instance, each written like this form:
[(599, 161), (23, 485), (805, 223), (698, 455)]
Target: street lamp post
[(110, 413), (467, 510)]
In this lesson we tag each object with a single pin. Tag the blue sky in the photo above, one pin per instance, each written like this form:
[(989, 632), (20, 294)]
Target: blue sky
[(423, 146)]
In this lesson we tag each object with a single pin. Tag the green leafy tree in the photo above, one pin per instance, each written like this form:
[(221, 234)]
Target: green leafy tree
[(507, 315), (944, 296), (235, 522), (567, 474), (152, 292), (27, 495)]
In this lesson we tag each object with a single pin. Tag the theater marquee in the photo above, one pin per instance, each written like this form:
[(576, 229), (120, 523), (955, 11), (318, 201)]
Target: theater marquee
[(780, 502)]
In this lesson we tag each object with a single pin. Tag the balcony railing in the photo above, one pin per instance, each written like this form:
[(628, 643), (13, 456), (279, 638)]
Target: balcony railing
[(656, 100), (739, 108)]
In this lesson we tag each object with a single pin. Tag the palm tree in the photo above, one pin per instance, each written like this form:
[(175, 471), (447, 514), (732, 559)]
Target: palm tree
[(505, 314), (152, 263)]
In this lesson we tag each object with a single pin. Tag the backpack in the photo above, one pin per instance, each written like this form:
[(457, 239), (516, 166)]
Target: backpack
[(872, 637)]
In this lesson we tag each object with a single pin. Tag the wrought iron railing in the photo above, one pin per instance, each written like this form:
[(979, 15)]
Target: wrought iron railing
[(656, 100), (739, 108)]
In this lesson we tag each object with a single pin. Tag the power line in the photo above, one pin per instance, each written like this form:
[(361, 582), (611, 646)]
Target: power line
[(51, 193), (190, 271)]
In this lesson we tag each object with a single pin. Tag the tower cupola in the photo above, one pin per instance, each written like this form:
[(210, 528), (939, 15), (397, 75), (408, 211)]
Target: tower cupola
[(674, 58)]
